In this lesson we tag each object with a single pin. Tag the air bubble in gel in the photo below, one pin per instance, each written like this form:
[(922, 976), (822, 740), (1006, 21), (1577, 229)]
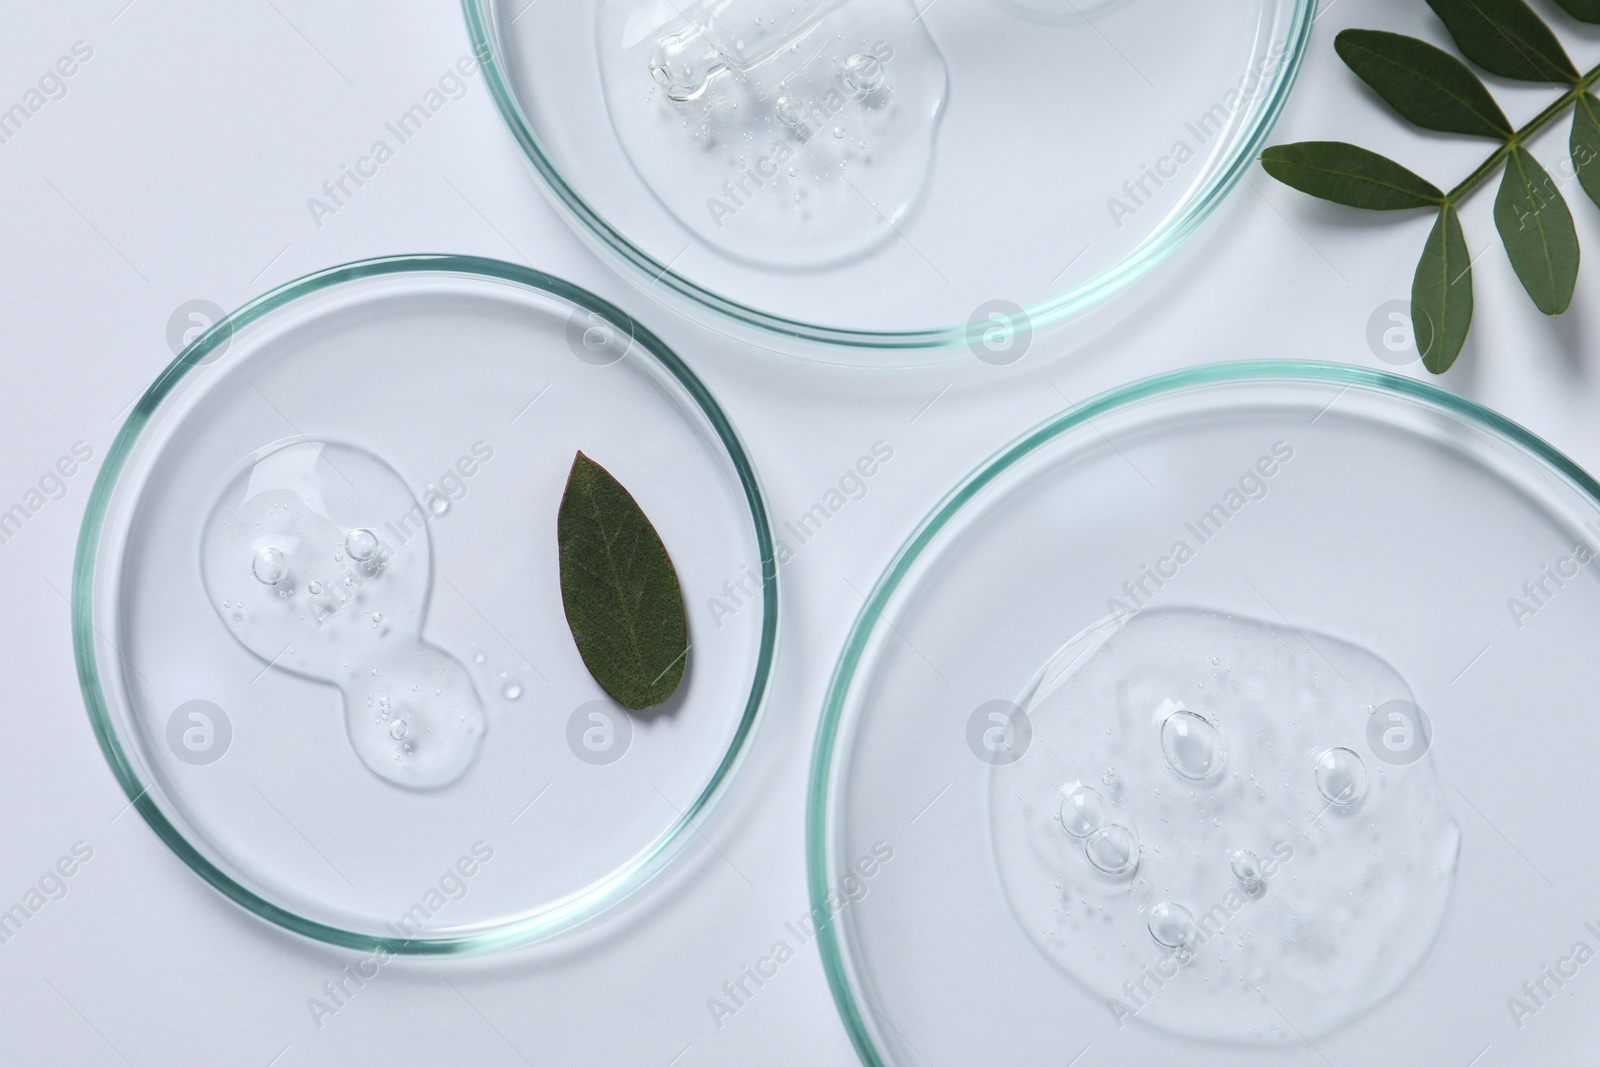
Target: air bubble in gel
[(790, 112), (292, 545), (1342, 777), (1083, 811), (1246, 868), (864, 73), (269, 566), (1172, 925), (361, 544), (1263, 725), (1113, 850), (1192, 746)]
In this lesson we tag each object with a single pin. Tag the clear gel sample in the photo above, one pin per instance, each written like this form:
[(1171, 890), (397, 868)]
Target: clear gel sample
[(729, 35), (786, 133), (316, 558), (1271, 862)]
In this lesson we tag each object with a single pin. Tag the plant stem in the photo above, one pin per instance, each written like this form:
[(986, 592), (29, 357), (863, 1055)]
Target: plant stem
[(1515, 141)]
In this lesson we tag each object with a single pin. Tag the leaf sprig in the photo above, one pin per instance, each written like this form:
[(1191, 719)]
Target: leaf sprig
[(1431, 88)]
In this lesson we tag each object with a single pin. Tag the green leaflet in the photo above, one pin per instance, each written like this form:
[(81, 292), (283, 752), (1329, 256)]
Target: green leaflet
[(1536, 227), (620, 590), (1505, 37), (1585, 144), (1441, 293), (1349, 175), (1426, 85)]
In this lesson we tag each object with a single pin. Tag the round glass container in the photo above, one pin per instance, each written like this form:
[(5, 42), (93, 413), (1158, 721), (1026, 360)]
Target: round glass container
[(1238, 716), (319, 622), (888, 181)]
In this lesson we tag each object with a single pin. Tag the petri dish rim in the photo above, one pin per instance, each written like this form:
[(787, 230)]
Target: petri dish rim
[(563, 915), (482, 32), (836, 962)]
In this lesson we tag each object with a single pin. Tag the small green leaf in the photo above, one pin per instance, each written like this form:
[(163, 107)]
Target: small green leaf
[(1586, 144), (1441, 294), (1349, 175), (1536, 228), (1426, 85), (620, 590), (1505, 37), (1582, 10)]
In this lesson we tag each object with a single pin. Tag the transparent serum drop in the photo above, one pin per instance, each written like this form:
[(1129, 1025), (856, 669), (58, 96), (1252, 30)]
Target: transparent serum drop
[(1223, 750), (734, 115), (301, 544)]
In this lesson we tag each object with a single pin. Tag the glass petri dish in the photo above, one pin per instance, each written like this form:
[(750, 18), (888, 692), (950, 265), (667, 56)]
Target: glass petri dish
[(319, 624), (1237, 716), (883, 181)]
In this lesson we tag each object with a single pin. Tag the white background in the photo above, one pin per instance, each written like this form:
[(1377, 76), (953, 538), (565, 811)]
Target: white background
[(178, 166)]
